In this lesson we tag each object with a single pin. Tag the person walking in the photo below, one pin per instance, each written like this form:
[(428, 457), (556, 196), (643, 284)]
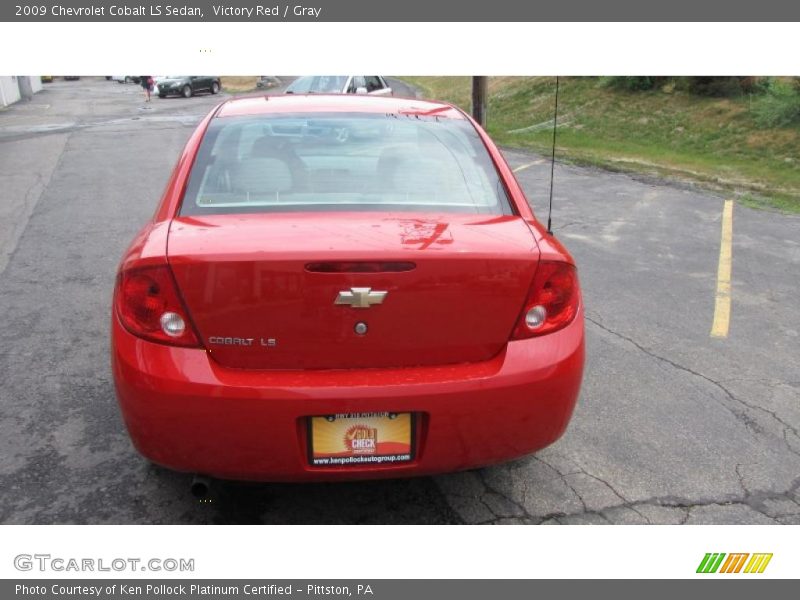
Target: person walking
[(146, 82)]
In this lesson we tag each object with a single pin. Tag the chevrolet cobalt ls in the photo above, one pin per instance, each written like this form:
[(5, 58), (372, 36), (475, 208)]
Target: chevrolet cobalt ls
[(343, 287)]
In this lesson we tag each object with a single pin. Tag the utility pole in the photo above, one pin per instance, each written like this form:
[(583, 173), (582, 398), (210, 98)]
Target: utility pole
[(479, 86)]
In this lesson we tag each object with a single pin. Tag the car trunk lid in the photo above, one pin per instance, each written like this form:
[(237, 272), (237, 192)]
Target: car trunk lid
[(352, 290)]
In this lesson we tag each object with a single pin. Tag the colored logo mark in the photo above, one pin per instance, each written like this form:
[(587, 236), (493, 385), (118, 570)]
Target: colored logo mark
[(734, 563)]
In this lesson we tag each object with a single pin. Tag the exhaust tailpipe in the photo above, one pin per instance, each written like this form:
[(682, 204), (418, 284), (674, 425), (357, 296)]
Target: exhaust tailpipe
[(201, 486)]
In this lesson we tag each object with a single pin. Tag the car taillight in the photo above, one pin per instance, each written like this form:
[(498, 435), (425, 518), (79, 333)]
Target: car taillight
[(148, 305), (552, 301)]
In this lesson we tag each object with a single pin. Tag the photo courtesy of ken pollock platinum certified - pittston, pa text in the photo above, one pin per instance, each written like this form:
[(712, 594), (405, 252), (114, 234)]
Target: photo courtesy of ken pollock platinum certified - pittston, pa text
[(194, 589), (169, 10)]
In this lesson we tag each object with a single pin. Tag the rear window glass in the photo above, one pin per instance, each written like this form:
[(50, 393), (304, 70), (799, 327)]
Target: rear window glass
[(346, 162)]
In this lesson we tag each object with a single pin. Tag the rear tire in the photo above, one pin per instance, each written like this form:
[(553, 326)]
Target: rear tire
[(186, 92), (162, 95), (215, 88)]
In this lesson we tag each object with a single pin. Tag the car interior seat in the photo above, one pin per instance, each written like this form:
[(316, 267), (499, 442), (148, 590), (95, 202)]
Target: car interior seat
[(262, 179)]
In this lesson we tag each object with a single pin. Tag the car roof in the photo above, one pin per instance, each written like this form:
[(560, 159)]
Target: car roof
[(311, 103)]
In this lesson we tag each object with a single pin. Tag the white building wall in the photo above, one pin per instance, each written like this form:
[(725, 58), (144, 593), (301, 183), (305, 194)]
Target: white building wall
[(9, 87), (9, 90)]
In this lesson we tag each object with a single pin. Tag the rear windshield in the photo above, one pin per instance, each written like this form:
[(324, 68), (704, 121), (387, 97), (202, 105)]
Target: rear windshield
[(325, 162)]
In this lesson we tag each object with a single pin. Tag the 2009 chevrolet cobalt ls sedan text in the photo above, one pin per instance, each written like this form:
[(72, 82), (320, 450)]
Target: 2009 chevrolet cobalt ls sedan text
[(339, 287)]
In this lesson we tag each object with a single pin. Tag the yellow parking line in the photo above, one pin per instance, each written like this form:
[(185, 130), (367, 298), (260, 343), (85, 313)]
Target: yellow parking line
[(722, 307), (522, 167)]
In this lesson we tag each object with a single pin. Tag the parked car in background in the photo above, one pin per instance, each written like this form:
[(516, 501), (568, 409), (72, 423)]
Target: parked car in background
[(188, 85), (374, 85), (47, 79), (71, 77)]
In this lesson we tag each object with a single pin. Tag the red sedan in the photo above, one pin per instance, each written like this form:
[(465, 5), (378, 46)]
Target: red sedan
[(338, 287)]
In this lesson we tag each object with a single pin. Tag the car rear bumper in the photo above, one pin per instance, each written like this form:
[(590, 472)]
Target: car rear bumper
[(186, 412)]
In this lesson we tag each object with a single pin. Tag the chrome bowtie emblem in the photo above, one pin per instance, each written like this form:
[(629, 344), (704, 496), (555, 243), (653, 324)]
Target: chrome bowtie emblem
[(360, 297)]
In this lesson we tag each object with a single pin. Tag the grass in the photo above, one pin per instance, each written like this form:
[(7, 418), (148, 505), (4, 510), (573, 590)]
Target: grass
[(238, 84), (715, 142)]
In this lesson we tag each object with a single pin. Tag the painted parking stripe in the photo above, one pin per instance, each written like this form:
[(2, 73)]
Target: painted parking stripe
[(530, 164), (722, 307)]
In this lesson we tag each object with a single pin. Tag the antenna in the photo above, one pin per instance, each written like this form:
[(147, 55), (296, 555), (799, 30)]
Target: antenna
[(553, 163)]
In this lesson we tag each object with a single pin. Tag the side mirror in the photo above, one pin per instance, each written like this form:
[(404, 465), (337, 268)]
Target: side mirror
[(361, 90)]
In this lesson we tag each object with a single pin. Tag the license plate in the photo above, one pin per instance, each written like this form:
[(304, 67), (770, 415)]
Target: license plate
[(355, 439)]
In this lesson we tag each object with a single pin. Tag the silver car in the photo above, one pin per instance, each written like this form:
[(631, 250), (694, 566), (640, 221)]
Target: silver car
[(374, 85)]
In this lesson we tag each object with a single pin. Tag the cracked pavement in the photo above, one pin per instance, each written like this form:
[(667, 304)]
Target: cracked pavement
[(672, 426)]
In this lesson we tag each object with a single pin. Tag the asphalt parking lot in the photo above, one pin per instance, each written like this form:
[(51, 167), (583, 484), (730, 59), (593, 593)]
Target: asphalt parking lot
[(673, 425)]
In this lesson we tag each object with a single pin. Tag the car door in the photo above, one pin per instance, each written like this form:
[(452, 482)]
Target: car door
[(199, 83)]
